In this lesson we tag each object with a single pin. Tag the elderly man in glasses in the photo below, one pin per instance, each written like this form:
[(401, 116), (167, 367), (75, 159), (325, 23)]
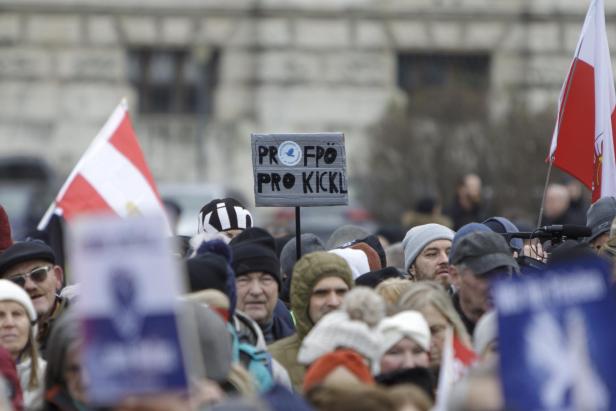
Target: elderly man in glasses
[(32, 266)]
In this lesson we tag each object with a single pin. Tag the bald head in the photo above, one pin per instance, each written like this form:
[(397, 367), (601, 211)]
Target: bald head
[(556, 200)]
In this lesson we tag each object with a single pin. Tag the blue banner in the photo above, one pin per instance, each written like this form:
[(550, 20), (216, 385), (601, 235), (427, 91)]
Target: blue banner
[(126, 307), (557, 338)]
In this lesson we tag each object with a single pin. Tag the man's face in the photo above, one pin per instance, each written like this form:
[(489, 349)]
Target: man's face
[(76, 382), (472, 185), (257, 294), (433, 262), (474, 290), (326, 296), (42, 292)]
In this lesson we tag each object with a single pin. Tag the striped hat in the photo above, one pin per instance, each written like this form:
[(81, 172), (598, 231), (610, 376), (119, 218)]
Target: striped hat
[(222, 215)]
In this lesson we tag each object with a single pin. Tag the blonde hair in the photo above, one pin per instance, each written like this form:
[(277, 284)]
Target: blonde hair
[(34, 362), (241, 380), (410, 394), (392, 288), (430, 293)]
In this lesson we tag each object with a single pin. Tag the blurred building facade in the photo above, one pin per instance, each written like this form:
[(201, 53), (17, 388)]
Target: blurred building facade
[(201, 75)]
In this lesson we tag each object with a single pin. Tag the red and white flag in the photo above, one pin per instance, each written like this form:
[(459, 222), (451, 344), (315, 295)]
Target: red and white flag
[(112, 176), (455, 362), (583, 140)]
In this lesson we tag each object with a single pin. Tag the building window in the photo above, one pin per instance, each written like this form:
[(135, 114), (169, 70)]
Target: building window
[(418, 72), (173, 81)]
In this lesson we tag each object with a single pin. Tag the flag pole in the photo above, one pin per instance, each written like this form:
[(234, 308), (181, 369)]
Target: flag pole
[(47, 216), (298, 234), (545, 190), (560, 120)]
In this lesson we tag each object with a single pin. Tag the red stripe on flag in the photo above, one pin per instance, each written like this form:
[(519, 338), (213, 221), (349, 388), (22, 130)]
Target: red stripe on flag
[(125, 141), (576, 137), (464, 354), (81, 198)]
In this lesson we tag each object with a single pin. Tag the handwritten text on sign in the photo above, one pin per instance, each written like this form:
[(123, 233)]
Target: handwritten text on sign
[(299, 169)]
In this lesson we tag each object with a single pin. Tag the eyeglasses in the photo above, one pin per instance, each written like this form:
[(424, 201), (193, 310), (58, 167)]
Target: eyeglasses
[(38, 275)]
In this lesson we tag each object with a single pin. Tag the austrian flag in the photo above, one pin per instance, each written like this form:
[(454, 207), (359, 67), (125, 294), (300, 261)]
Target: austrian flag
[(583, 140), (111, 176)]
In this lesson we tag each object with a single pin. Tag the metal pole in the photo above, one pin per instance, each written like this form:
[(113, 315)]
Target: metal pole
[(298, 234), (545, 189)]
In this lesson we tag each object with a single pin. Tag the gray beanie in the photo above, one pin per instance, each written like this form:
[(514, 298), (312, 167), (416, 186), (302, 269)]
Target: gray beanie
[(420, 236), (288, 255)]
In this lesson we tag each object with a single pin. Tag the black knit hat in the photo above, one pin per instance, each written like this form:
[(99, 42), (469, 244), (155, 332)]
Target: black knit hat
[(25, 251), (250, 257), (222, 215), (373, 278), (418, 376), (207, 271), (255, 235)]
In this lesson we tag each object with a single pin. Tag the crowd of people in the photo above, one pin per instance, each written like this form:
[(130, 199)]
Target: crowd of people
[(358, 322)]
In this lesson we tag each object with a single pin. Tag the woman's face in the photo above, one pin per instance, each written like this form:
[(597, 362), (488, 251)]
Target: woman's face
[(406, 353), (73, 375), (14, 327), (438, 326)]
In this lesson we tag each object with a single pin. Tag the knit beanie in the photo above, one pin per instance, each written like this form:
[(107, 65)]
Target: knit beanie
[(216, 300), (222, 215), (217, 244), (207, 271), (288, 256), (250, 257), (409, 324), (374, 262), (255, 235), (352, 326), (5, 230), (356, 259), (374, 243), (420, 377), (374, 278), (9, 291), (323, 366), (420, 236), (213, 338)]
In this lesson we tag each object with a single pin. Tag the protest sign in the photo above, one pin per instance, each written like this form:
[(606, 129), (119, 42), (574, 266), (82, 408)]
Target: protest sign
[(128, 295), (557, 338), (299, 169)]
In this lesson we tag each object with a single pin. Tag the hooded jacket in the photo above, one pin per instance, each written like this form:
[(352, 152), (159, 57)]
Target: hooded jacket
[(308, 271)]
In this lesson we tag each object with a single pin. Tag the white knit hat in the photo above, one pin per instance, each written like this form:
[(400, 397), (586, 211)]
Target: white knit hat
[(410, 324), (11, 291), (353, 326), (356, 259)]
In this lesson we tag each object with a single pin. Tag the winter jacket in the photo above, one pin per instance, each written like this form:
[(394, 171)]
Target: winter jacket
[(308, 271)]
